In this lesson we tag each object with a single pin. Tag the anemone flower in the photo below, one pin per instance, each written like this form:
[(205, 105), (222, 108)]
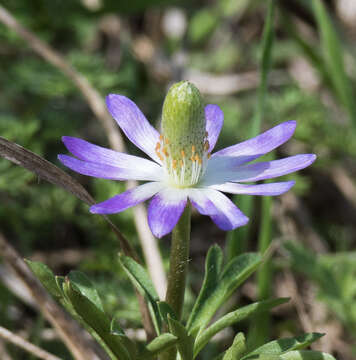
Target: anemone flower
[(182, 166)]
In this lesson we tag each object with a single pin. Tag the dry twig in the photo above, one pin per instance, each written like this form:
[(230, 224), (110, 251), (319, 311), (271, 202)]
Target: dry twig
[(22, 343), (71, 334)]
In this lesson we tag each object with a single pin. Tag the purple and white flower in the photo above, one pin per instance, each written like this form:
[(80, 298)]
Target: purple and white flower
[(201, 178)]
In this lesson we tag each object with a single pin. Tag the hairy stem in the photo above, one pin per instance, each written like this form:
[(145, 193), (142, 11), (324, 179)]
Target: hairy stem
[(179, 263), (178, 269)]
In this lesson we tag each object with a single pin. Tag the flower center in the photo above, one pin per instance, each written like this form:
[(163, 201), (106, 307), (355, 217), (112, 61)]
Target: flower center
[(183, 168)]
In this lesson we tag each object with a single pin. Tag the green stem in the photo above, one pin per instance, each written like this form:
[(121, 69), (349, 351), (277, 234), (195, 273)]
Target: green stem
[(179, 263), (178, 270)]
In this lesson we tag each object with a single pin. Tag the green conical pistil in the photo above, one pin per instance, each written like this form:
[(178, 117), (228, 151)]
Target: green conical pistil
[(183, 145)]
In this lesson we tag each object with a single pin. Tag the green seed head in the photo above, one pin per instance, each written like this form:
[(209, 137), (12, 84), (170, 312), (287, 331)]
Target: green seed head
[(183, 143)]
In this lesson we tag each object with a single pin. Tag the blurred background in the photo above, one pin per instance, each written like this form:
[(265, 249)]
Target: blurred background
[(138, 48)]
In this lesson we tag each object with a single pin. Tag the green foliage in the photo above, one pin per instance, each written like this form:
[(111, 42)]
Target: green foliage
[(140, 279), (158, 345), (333, 57), (234, 317), (212, 297), (281, 346), (335, 277), (185, 345), (237, 348), (46, 276)]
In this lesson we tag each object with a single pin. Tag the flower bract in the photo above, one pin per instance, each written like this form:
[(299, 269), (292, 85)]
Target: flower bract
[(187, 171)]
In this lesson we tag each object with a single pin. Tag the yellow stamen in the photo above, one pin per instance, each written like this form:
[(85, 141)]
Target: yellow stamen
[(161, 137), (209, 155), (174, 164), (199, 160), (182, 153), (159, 155), (158, 146), (193, 149), (181, 163)]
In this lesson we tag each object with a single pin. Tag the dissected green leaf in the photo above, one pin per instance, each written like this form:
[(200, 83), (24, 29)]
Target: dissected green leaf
[(234, 274), (97, 320), (157, 345), (140, 279), (278, 347), (237, 348), (186, 342), (86, 288), (234, 317), (46, 277)]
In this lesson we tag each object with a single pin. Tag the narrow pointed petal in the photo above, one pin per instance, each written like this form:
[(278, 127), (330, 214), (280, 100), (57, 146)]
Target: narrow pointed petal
[(134, 124), (127, 199), (84, 150), (165, 210), (219, 207), (272, 169), (220, 173), (270, 189), (136, 172), (253, 148), (214, 122)]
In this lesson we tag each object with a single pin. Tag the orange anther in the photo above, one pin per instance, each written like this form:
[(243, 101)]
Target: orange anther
[(182, 153), (197, 157), (174, 164), (181, 163), (192, 158), (165, 152), (193, 149), (166, 141), (209, 155), (159, 155), (206, 145), (158, 146), (161, 137)]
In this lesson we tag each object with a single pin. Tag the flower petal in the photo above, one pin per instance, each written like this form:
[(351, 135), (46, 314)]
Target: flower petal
[(272, 169), (134, 124), (136, 172), (84, 150), (219, 207), (214, 122), (269, 189), (221, 173), (127, 199), (165, 210), (253, 148)]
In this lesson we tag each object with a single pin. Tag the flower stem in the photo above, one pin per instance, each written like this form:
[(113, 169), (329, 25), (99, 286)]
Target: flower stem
[(178, 270), (179, 263)]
